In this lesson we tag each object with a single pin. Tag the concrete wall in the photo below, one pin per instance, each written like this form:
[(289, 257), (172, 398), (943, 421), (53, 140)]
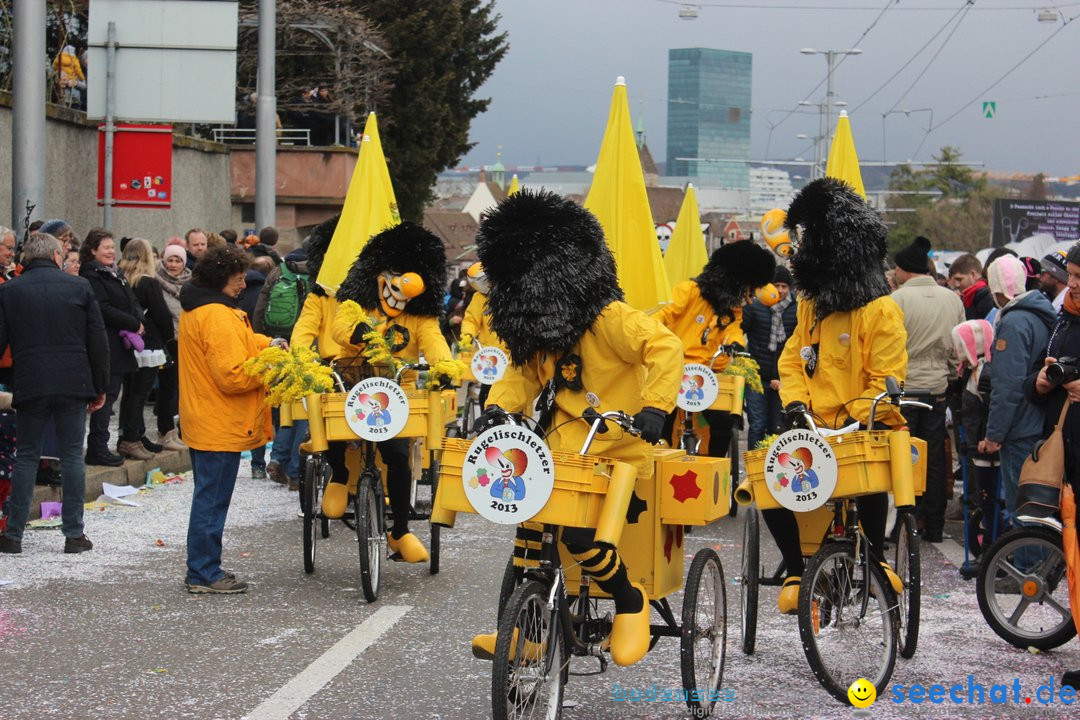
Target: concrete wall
[(200, 179)]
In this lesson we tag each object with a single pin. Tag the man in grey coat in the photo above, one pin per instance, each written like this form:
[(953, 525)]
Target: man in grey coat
[(930, 314)]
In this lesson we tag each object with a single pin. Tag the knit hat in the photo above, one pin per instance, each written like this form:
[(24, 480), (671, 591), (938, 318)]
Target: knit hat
[(782, 275), (56, 228), (1032, 269), (972, 340), (914, 258), (1008, 276), (1054, 263), (176, 250)]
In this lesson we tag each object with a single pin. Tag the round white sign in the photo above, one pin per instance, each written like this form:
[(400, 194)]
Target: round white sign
[(376, 409), (800, 470), (489, 364), (508, 474), (699, 388)]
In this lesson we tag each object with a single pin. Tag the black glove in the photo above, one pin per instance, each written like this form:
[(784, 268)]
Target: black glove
[(650, 423), (591, 416), (493, 415), (793, 416), (359, 332)]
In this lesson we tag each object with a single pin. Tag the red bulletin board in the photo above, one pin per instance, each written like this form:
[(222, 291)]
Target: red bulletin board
[(142, 165)]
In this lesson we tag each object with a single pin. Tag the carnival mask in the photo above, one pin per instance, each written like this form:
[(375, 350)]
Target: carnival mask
[(395, 291)]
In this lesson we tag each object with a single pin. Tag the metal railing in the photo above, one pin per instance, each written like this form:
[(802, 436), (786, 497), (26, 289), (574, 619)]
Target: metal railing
[(246, 136)]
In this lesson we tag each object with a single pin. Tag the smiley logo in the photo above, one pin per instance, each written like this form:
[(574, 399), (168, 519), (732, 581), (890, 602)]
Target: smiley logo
[(862, 693)]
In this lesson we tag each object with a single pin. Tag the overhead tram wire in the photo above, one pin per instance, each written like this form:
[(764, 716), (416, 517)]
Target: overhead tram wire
[(967, 7), (849, 8), (913, 57), (982, 93)]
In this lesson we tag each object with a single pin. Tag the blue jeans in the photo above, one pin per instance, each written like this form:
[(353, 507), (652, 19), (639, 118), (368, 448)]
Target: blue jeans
[(31, 417), (215, 478), (286, 449), (258, 457), (1013, 454), (763, 412)]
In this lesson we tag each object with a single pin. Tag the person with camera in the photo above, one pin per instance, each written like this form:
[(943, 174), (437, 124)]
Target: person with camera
[(1022, 330), (1058, 380)]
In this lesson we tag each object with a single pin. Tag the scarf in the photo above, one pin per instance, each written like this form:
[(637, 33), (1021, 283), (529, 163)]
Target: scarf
[(1071, 306), (777, 336), (968, 295), (171, 285)]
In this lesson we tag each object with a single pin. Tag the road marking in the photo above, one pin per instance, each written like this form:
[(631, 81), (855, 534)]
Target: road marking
[(327, 666), (952, 550)]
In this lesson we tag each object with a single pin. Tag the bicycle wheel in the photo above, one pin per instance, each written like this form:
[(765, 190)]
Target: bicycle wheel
[(310, 505), (846, 620), (703, 639), (527, 677), (736, 463), (436, 531), (368, 515), (1022, 590), (749, 582), (908, 568), (512, 577)]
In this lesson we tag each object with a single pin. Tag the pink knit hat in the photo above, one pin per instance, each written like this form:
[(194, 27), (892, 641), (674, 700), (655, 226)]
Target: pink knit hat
[(176, 250), (1008, 276), (972, 340)]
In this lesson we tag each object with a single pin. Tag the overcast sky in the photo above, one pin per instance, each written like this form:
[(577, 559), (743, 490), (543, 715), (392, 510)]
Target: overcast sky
[(552, 91)]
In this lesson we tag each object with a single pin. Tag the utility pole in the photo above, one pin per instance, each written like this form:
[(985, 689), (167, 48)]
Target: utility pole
[(825, 128), (265, 114), (28, 116)]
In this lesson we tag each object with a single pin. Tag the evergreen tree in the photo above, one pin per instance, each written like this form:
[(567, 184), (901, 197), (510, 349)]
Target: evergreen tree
[(442, 52)]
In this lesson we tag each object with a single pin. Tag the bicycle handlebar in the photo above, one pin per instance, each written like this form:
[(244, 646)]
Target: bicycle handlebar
[(623, 420)]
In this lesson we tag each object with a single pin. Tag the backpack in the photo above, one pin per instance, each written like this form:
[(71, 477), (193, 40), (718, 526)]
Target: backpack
[(285, 300)]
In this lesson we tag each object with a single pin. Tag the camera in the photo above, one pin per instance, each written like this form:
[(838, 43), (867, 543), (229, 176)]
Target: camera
[(1065, 370)]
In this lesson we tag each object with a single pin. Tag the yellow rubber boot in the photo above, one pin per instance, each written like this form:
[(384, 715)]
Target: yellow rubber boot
[(407, 548), (630, 633), (335, 500), (483, 647), (894, 579), (789, 596)]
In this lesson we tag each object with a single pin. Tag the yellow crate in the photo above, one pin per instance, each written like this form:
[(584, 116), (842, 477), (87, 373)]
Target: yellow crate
[(581, 484), (422, 421), (732, 391), (694, 490), (863, 460)]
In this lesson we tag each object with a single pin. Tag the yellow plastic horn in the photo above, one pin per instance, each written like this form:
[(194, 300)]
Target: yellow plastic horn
[(612, 518), (744, 494), (903, 481), (768, 295), (775, 234)]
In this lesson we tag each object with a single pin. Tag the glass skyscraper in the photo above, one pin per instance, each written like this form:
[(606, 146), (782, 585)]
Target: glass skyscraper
[(708, 118)]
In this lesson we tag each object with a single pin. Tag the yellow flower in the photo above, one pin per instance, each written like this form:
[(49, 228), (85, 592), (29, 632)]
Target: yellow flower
[(749, 369)]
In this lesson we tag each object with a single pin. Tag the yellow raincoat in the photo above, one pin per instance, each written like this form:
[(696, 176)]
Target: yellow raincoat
[(420, 333), (628, 361), (856, 351), (689, 316), (315, 325), (477, 323)]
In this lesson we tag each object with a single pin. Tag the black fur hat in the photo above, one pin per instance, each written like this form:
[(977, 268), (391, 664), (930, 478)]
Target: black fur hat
[(399, 249), (315, 245), (734, 270), (840, 251), (551, 272)]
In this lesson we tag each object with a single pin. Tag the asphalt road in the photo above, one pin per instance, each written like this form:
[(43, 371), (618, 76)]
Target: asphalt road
[(113, 634)]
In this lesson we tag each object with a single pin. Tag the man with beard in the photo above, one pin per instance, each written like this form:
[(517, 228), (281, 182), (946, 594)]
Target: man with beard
[(849, 338), (556, 304), (707, 312)]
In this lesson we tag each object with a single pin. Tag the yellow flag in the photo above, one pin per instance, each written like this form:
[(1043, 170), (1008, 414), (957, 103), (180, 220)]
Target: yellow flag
[(686, 255), (618, 199), (370, 207), (843, 161), (514, 186)]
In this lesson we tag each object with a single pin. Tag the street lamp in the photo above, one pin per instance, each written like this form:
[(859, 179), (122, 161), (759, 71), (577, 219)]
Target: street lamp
[(830, 59), (821, 138)]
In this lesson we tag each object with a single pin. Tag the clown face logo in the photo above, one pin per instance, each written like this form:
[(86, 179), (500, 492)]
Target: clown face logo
[(376, 409), (508, 474), (800, 470), (489, 364), (698, 390)]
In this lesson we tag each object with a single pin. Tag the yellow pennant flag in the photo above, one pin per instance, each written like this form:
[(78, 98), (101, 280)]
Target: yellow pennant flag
[(843, 161), (370, 207), (514, 186), (686, 255), (618, 199)]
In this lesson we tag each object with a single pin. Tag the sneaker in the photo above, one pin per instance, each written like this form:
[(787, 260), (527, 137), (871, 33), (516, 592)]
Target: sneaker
[(275, 473), (150, 445), (171, 441), (258, 472), (78, 545), (107, 459), (227, 585), (9, 546), (134, 450)]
